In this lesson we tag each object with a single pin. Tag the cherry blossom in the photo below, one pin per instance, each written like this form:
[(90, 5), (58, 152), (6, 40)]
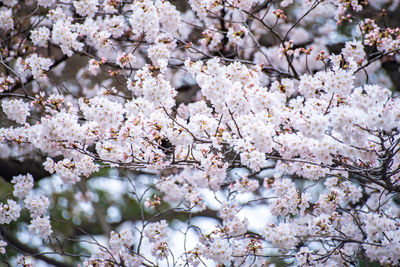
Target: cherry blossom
[(200, 133)]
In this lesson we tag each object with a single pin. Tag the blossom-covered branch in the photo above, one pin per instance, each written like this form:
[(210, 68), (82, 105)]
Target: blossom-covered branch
[(213, 133)]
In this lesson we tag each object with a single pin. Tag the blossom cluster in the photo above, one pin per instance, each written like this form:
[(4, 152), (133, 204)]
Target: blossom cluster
[(37, 205), (120, 251), (228, 106)]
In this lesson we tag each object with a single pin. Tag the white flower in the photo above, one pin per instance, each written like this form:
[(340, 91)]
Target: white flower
[(121, 240), (86, 8), (220, 251), (6, 19), (131, 260), (23, 185), (354, 49), (282, 236), (64, 35), (3, 245), (41, 226), (16, 110), (145, 19), (157, 232), (37, 205), (35, 66), (237, 35), (40, 36), (9, 212)]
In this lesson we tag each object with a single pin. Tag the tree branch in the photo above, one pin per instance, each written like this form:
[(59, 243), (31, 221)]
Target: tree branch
[(18, 245)]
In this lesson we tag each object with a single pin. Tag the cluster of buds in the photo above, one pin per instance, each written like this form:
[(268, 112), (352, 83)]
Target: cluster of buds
[(211, 38), (355, 5), (113, 3), (306, 51), (255, 245), (279, 14), (287, 49), (56, 101), (94, 65), (113, 73), (5, 83), (349, 5), (125, 59), (110, 91), (343, 18), (322, 55), (39, 99), (386, 40), (102, 61), (189, 45), (153, 202)]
